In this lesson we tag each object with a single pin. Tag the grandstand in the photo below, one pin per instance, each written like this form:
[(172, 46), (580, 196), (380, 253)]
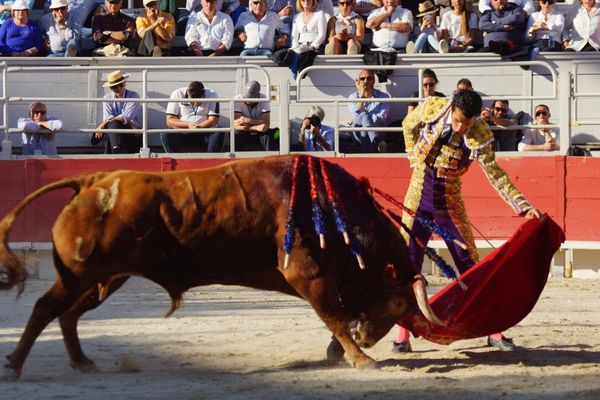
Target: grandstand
[(559, 184)]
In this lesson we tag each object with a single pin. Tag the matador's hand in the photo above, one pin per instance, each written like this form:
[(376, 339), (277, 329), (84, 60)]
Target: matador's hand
[(533, 213)]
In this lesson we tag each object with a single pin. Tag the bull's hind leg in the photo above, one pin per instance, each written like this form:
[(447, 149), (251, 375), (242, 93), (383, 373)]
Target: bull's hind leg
[(52, 304), (68, 324)]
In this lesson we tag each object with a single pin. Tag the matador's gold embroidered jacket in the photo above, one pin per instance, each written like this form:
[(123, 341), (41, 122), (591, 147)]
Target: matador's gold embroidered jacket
[(422, 128)]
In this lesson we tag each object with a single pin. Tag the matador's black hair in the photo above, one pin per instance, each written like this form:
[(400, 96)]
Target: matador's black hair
[(468, 101)]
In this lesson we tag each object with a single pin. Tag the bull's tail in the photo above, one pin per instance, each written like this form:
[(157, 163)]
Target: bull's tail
[(12, 271)]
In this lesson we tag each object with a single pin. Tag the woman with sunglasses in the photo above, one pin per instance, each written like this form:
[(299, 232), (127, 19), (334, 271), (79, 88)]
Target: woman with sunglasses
[(582, 27), (39, 131), (459, 27), (346, 30), (429, 83), (544, 29)]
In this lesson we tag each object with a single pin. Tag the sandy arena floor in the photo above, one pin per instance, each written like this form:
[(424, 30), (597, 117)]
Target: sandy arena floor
[(237, 343)]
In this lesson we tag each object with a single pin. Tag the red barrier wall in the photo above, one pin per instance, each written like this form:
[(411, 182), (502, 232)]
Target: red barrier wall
[(565, 187)]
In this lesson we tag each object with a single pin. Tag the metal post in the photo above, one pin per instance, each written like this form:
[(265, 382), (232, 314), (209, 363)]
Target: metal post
[(145, 150)]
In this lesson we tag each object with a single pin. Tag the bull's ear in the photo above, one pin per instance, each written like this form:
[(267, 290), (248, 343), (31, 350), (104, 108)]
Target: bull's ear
[(390, 272)]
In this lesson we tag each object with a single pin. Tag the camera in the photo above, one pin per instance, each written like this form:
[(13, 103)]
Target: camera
[(314, 120)]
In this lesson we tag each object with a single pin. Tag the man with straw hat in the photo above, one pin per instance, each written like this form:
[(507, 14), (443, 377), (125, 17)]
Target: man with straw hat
[(119, 115)]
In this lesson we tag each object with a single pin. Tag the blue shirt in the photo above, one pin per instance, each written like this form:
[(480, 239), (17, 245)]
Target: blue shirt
[(311, 144), (15, 38), (379, 113), (131, 112)]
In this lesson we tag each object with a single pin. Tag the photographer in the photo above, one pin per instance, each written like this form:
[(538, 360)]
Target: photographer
[(314, 136)]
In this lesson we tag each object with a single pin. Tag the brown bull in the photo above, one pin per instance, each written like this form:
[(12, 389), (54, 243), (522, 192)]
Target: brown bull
[(223, 225)]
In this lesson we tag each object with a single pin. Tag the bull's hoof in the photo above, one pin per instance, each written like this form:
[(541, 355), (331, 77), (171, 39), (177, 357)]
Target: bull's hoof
[(365, 363), (10, 374), (335, 352), (86, 366)]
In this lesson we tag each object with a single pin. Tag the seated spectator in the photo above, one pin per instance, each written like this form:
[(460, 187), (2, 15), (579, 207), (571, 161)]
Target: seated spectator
[(285, 9), (156, 29), (346, 30), (503, 27), (6, 9), (364, 7), (253, 120), (504, 139), (119, 115), (192, 114), (368, 114), (428, 32), (314, 136), (542, 139), (308, 34), (260, 30), (459, 27), (114, 32), (391, 25), (19, 36), (526, 5), (429, 83), (464, 84), (61, 31), (229, 7), (582, 27), (39, 131), (209, 32), (544, 29)]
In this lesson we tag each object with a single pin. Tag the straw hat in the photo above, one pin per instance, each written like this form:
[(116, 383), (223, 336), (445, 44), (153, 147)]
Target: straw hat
[(114, 78), (58, 4), (427, 7)]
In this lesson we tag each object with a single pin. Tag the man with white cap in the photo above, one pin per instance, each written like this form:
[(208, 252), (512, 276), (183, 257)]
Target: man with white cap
[(6, 9), (119, 115), (114, 30), (156, 29), (252, 120), (62, 33), (188, 109)]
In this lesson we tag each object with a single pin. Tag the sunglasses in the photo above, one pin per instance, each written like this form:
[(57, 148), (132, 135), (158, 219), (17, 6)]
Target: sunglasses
[(344, 3), (538, 113), (115, 87), (366, 78), (60, 8), (547, 1), (500, 109), (43, 112), (429, 84)]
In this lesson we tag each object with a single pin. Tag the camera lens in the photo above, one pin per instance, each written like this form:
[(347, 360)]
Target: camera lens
[(315, 121)]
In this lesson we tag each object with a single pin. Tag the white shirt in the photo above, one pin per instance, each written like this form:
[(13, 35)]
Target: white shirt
[(526, 5), (188, 112), (535, 137), (209, 36), (582, 27), (387, 39), (451, 22), (555, 21), (32, 141), (261, 34), (312, 33), (254, 112)]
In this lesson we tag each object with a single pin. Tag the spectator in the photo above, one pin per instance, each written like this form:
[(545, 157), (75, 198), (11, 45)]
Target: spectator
[(368, 114), (119, 115), (459, 27), (61, 30), (19, 36), (209, 32), (429, 83), (286, 9), (308, 34), (261, 30), (364, 7), (253, 120), (229, 7), (526, 5), (503, 27), (192, 114), (156, 29), (39, 131), (6, 9), (464, 84), (541, 139), (346, 30), (428, 33), (504, 139), (314, 136), (544, 29), (582, 32), (114, 32), (391, 25)]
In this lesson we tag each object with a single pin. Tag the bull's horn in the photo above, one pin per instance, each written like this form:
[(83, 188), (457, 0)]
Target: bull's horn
[(423, 302), (322, 241)]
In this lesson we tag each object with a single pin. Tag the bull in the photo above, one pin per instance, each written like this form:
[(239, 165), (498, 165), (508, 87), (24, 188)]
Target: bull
[(223, 225)]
